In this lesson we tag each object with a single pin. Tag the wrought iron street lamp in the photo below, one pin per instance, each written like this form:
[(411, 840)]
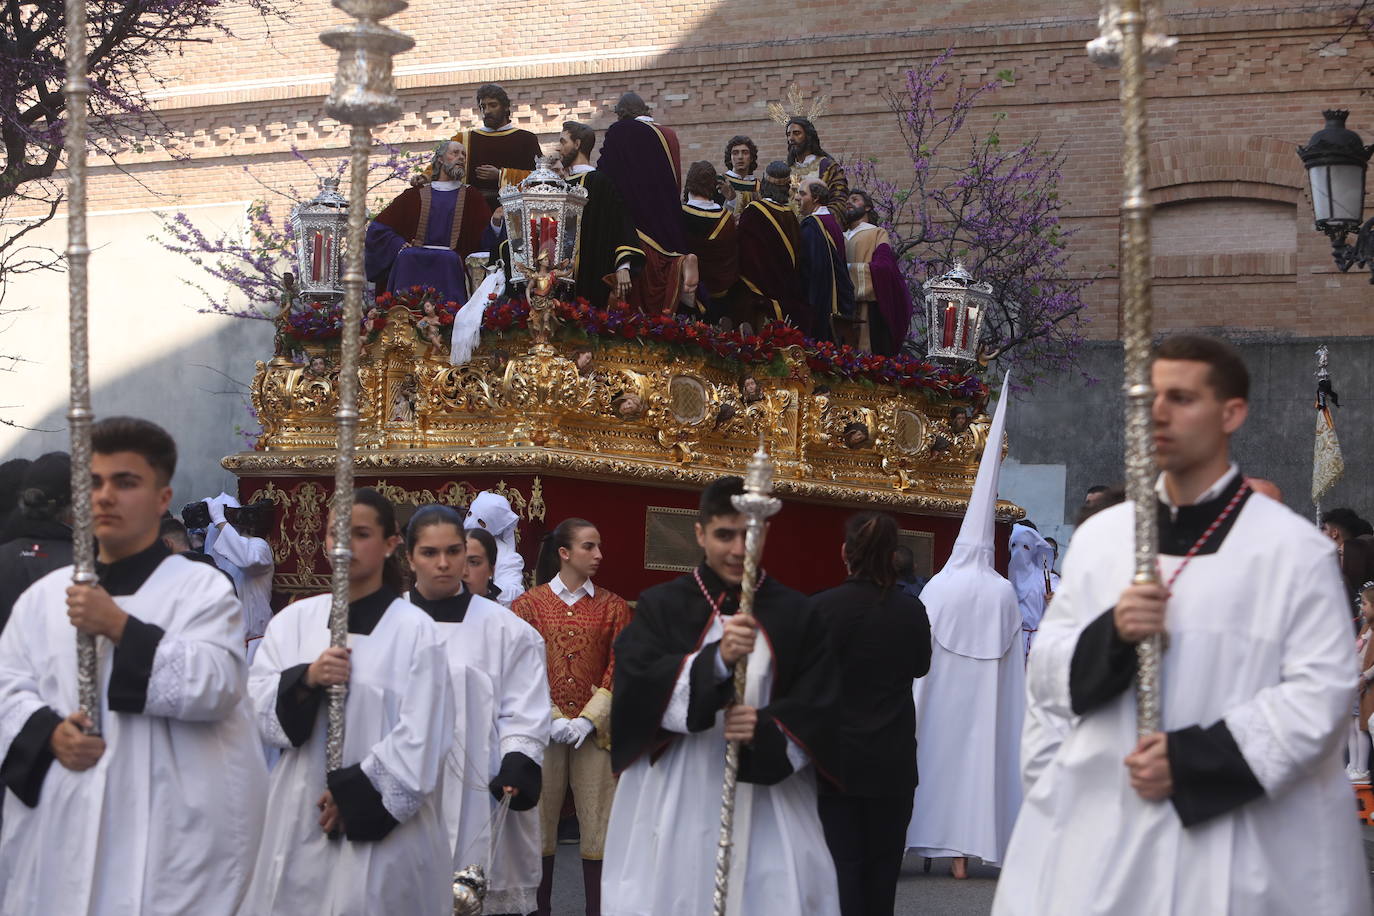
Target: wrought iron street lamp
[(1336, 160)]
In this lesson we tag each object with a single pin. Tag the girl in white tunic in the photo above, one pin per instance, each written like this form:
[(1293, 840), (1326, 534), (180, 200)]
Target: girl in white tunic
[(501, 722), (368, 838)]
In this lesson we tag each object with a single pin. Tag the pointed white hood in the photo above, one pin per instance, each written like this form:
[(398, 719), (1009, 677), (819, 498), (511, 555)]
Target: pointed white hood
[(972, 609), (492, 511)]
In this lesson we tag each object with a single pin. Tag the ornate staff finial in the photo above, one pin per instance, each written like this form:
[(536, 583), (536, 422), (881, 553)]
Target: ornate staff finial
[(1157, 46), (363, 96), (757, 505), (1131, 37)]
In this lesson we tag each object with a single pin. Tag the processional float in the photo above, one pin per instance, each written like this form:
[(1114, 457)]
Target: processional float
[(1131, 37)]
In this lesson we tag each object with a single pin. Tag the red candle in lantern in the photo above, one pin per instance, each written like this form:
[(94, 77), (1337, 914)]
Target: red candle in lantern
[(328, 254), (949, 325), (970, 319), (315, 260)]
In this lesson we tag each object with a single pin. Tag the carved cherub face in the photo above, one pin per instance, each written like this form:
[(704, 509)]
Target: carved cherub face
[(855, 435), (958, 420)]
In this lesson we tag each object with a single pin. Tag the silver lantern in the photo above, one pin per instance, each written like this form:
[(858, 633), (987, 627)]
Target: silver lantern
[(955, 308), (543, 214), (321, 226)]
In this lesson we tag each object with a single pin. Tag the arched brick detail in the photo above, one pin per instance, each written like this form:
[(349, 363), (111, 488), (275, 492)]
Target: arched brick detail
[(1188, 168)]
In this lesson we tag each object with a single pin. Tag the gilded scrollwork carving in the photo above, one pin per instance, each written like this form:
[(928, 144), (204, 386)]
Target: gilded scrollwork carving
[(619, 410)]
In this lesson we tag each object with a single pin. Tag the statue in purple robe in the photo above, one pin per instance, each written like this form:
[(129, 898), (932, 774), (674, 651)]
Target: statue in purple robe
[(423, 236)]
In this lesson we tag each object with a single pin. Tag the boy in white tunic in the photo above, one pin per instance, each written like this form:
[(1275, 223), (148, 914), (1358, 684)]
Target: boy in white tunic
[(162, 813), (502, 710), (367, 838), (1240, 804), (671, 719)]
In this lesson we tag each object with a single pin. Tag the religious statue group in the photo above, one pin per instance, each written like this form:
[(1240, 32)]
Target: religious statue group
[(737, 246)]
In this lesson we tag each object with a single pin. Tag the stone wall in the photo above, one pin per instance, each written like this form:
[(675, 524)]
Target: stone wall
[(1075, 433)]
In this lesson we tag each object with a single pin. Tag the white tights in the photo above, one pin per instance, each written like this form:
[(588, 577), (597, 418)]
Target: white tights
[(1357, 745)]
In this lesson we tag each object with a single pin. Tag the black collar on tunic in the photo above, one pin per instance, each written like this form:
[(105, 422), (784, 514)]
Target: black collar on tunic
[(1178, 535), (443, 610), (126, 576), (365, 613)]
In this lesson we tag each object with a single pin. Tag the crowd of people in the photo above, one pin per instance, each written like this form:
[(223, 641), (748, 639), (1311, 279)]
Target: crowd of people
[(739, 242), (475, 701)]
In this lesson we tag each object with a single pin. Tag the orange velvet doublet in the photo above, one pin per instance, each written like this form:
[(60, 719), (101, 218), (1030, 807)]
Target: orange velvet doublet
[(578, 640)]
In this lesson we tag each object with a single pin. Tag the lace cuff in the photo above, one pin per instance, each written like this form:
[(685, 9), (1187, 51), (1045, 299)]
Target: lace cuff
[(167, 681), (1260, 747), (523, 744), (511, 900), (399, 801)]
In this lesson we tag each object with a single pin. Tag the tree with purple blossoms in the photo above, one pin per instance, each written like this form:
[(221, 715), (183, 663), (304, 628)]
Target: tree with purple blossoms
[(997, 209), (125, 41), (249, 264)]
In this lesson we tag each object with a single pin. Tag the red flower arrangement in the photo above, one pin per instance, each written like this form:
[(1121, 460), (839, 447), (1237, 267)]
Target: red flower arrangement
[(620, 322)]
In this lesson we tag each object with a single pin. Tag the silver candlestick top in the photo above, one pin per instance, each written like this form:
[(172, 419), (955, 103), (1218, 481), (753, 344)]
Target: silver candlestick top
[(364, 94)]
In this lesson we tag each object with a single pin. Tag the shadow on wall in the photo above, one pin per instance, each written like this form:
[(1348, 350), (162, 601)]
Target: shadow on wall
[(1081, 428), (181, 390)]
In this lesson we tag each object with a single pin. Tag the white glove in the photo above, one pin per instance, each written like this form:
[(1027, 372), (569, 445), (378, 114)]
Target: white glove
[(216, 511), (578, 730), (558, 731)]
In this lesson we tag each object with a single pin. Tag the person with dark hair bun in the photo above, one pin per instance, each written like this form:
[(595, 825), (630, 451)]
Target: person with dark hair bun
[(161, 812), (881, 640), (371, 834), (497, 666), (675, 712), (40, 533), (579, 622)]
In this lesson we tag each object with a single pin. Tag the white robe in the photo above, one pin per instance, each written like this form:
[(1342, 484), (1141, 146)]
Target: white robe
[(166, 823), (1260, 637), (665, 825), (251, 565), (1031, 557), (501, 704), (399, 724), (968, 717)]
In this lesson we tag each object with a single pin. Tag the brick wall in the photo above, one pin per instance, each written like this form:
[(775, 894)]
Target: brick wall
[(1246, 88)]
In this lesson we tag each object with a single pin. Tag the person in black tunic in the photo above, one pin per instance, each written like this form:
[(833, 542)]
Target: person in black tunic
[(669, 654), (881, 640), (608, 249)]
